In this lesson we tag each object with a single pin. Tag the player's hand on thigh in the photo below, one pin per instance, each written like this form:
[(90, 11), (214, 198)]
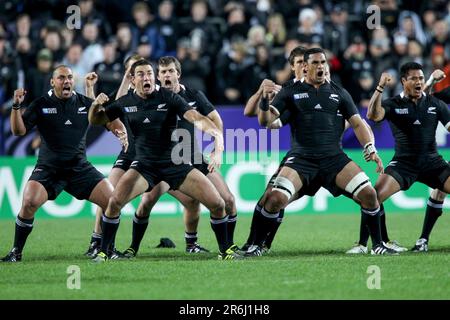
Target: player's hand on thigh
[(215, 161), (380, 167)]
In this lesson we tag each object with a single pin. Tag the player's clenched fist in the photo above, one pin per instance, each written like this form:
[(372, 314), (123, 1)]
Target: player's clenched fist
[(385, 78), (91, 79), (19, 95), (101, 99)]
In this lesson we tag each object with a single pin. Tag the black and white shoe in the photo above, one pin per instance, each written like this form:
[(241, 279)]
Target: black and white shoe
[(421, 245), (196, 248), (381, 249), (254, 251), (93, 249), (12, 256)]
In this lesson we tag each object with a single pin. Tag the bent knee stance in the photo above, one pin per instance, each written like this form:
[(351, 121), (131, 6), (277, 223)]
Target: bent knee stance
[(216, 207), (276, 201), (368, 197)]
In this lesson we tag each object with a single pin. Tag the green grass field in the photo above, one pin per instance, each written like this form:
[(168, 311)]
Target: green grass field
[(307, 262)]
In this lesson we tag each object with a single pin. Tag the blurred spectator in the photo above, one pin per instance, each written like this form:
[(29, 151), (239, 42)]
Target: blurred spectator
[(168, 26), (281, 66), (203, 34), (258, 71), (400, 47), (237, 26), (337, 32), (196, 67), (74, 62), (276, 30), (363, 91), (110, 70), (145, 31), (92, 49), (9, 70), (124, 38), (355, 61), (410, 25), (53, 42), (38, 79), (308, 29), (380, 52), (259, 11), (90, 14), (230, 71), (389, 13), (441, 36), (256, 36)]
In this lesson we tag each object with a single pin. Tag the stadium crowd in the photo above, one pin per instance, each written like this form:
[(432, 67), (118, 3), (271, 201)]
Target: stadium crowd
[(220, 43)]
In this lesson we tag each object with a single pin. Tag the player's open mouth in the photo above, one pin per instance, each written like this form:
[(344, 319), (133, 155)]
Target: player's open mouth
[(320, 73), (167, 82), (418, 88), (66, 89), (147, 86)]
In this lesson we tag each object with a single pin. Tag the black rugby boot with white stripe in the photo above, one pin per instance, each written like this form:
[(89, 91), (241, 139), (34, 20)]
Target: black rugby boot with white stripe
[(381, 249)]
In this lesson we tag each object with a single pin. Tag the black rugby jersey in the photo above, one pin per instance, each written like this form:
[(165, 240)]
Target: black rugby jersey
[(131, 152), (198, 101), (152, 121), (414, 126), (316, 116), (62, 125)]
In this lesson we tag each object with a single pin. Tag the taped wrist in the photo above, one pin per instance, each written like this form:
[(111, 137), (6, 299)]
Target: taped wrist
[(264, 104), (369, 148)]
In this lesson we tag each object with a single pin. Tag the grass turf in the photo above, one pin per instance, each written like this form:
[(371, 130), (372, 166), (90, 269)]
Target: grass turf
[(307, 262)]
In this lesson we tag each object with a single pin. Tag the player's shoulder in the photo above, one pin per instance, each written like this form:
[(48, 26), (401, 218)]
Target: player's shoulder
[(82, 99), (434, 100)]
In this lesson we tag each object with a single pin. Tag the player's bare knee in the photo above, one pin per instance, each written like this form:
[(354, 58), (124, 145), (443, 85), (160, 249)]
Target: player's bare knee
[(276, 201), (368, 197), (115, 203), (229, 202), (30, 205), (217, 207)]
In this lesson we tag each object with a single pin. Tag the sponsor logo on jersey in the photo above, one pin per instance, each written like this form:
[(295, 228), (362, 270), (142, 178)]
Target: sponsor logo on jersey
[(334, 97), (131, 109), (49, 111), (318, 107), (160, 107), (82, 110), (431, 110), (290, 160), (299, 96), (68, 123), (392, 163), (402, 111), (417, 122), (146, 120)]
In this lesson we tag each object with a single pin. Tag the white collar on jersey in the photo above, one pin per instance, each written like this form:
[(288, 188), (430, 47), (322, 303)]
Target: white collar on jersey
[(402, 94)]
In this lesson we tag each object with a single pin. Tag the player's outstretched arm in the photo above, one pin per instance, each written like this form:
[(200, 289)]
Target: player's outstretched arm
[(375, 111), (97, 114), (17, 126), (206, 125)]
